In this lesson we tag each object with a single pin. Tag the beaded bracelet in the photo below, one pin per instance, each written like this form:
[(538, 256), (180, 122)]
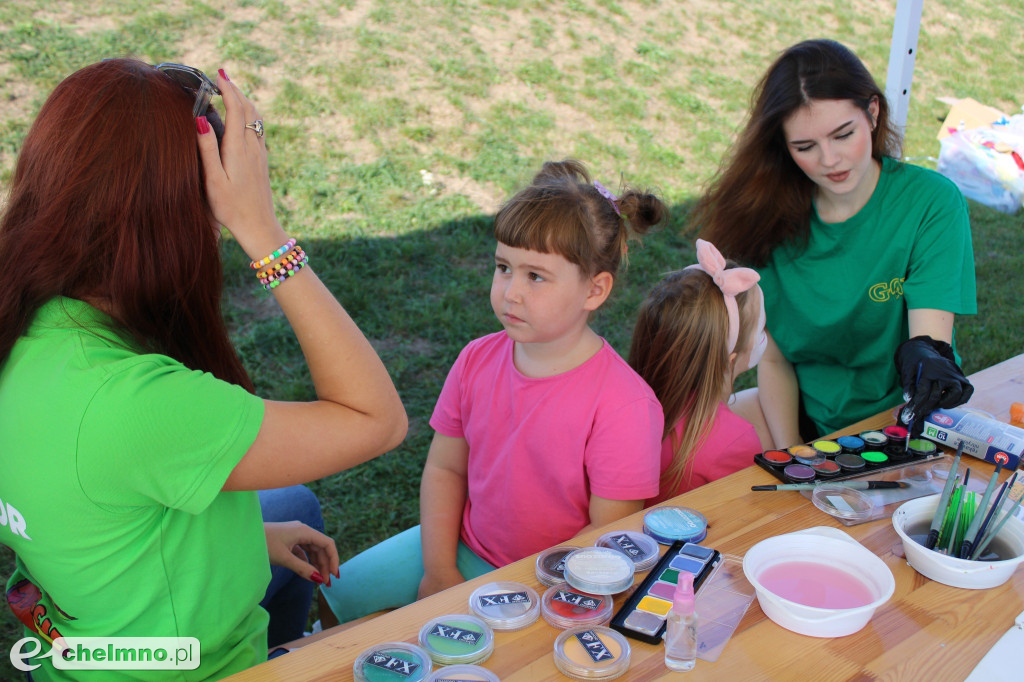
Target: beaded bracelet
[(295, 254), (256, 265), (283, 273), (290, 271)]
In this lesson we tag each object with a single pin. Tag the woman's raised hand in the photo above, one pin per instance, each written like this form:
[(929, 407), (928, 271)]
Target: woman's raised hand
[(237, 180)]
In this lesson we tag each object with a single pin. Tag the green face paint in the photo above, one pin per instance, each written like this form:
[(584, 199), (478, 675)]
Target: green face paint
[(457, 638), (921, 446), (875, 457)]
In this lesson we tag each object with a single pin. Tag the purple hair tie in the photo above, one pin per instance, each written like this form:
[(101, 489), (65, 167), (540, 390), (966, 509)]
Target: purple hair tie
[(612, 199)]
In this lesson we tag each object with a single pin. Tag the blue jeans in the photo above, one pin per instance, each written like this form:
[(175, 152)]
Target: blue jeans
[(288, 596), (388, 575)]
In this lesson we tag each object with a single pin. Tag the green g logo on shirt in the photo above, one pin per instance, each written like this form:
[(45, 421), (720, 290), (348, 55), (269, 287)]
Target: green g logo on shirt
[(883, 291)]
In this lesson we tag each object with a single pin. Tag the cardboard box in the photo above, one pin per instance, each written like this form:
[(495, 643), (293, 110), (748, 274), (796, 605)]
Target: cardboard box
[(983, 437), (970, 112)]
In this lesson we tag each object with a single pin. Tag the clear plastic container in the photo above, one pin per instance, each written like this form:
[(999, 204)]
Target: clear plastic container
[(592, 653), (642, 549), (668, 524), (843, 502), (505, 605), (391, 661), (565, 607), (599, 570), (551, 564), (457, 638)]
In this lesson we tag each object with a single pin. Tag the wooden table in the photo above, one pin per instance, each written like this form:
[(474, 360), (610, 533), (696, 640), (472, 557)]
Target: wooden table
[(926, 631)]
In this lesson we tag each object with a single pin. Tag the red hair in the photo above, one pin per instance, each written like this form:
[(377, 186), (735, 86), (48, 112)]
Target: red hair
[(108, 204)]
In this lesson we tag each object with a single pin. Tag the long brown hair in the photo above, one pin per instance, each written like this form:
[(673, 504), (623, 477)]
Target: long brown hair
[(760, 197), (680, 349), (108, 204), (563, 212)]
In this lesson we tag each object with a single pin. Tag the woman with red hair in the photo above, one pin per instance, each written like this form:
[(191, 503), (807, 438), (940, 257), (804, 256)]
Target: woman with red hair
[(132, 441)]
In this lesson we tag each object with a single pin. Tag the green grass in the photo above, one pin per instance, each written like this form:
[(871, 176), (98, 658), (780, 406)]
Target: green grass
[(359, 97)]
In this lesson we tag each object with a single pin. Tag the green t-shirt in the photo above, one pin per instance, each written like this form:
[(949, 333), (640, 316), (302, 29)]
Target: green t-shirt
[(113, 463), (837, 307)]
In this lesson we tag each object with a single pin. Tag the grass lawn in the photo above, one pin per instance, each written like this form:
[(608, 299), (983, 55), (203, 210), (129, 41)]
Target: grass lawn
[(397, 127)]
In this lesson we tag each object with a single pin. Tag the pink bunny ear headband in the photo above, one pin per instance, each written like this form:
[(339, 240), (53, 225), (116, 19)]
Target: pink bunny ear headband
[(731, 281)]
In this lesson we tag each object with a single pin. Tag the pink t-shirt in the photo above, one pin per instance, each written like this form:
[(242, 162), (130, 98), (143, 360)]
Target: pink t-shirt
[(538, 447), (729, 447)]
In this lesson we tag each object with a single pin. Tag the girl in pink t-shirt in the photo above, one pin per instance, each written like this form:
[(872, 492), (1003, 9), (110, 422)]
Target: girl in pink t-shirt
[(697, 330), (541, 429)]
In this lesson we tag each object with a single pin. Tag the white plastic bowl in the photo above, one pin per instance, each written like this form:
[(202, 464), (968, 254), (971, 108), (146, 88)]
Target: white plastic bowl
[(821, 545), (972, 575)]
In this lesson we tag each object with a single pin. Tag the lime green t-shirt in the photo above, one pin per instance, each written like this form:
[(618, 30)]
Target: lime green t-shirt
[(837, 306), (112, 466)]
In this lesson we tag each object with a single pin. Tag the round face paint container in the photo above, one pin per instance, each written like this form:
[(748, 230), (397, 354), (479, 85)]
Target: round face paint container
[(842, 502), (457, 638), (392, 662), (920, 447), (591, 653), (827, 448), (668, 524), (796, 450), (777, 457), (851, 462), (851, 444), (505, 605), (874, 438), (463, 673), (799, 473), (805, 454), (599, 570), (827, 469), (897, 451), (641, 549), (563, 606), (551, 564), (895, 434), (873, 457)]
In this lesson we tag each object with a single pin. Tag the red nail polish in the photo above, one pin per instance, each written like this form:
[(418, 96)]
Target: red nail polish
[(223, 75), (202, 125), (317, 578), (328, 581)]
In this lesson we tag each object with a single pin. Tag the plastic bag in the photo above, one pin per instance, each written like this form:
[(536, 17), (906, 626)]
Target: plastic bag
[(985, 163)]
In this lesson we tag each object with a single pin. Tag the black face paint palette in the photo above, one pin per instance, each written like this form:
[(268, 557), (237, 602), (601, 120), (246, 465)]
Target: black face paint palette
[(643, 615), (846, 457)]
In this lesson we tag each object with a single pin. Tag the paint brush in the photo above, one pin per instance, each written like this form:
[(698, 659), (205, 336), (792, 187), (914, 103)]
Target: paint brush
[(949, 547), (997, 507), (910, 422), (856, 485), (940, 511), (968, 543), (988, 517), (947, 517), (906, 414), (998, 527)]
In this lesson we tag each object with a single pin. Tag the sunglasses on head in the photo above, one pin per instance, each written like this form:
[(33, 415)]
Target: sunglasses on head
[(193, 80)]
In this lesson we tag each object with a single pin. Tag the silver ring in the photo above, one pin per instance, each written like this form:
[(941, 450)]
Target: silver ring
[(256, 126)]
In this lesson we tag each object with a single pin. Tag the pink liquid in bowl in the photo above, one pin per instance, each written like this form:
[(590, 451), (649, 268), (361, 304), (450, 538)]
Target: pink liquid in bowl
[(818, 585)]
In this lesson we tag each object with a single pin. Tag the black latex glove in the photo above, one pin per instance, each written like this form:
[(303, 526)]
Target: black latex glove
[(930, 379)]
